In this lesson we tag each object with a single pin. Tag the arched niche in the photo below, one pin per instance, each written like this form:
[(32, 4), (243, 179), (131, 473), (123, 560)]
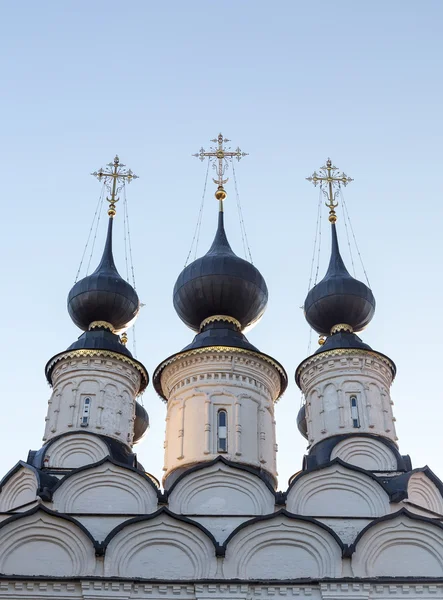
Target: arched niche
[(282, 547), (74, 451), (424, 493), (161, 547), (106, 488), (337, 491), (220, 489), (400, 546), (18, 489), (41, 543), (366, 453)]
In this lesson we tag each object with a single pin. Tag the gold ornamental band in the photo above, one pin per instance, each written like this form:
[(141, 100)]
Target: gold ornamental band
[(215, 318), (341, 327)]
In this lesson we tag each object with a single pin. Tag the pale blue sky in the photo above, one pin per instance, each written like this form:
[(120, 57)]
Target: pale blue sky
[(291, 83)]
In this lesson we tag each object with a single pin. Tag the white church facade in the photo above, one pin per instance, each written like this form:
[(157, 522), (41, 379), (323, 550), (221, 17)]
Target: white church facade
[(81, 518)]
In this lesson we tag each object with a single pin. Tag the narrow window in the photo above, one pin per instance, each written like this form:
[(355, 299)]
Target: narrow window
[(85, 413), (222, 431), (354, 412)]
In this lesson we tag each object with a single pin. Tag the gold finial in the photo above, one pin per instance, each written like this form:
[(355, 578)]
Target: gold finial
[(124, 338), (220, 155), (321, 340), (114, 179), (330, 182)]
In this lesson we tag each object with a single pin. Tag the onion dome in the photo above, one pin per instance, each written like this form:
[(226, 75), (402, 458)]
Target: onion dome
[(339, 302), (141, 423), (103, 296), (301, 422), (220, 284)]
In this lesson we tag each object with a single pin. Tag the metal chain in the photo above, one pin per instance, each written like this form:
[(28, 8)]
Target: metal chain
[(94, 239), (353, 235), (246, 248), (345, 219), (99, 203), (196, 235)]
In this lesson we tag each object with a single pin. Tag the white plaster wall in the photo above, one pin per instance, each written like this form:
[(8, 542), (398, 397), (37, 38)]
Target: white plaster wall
[(328, 380), (112, 386), (197, 386)]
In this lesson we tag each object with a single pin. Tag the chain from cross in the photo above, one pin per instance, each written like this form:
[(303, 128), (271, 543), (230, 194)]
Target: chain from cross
[(222, 155), (330, 181), (114, 178)]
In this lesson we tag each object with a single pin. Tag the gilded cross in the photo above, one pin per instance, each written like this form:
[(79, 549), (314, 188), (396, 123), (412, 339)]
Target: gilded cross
[(114, 177), (221, 157), (330, 181)]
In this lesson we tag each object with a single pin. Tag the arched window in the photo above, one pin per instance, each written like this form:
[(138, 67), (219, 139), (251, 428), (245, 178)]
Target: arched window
[(222, 431), (86, 410), (354, 411)]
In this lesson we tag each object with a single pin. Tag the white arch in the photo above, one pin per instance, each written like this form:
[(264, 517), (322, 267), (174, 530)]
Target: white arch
[(337, 491), (221, 490), (399, 547), (43, 544), (422, 491), (160, 548), (366, 453), (106, 488), (282, 548), (77, 450), (21, 488)]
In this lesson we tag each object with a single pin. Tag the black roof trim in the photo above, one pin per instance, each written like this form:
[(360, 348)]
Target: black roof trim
[(53, 513), (280, 583), (345, 465), (162, 510), (391, 517), (229, 463), (106, 459), (292, 516)]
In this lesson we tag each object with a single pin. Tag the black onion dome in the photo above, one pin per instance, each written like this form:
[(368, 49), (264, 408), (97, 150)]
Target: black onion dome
[(338, 297), (141, 423), (220, 283), (104, 295)]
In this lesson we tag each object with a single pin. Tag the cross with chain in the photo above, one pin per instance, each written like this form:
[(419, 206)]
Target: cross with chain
[(114, 178), (330, 181), (221, 155)]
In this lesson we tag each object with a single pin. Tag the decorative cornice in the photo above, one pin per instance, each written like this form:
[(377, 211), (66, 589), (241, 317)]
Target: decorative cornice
[(225, 318), (102, 354), (219, 350), (341, 327), (315, 358), (102, 325)]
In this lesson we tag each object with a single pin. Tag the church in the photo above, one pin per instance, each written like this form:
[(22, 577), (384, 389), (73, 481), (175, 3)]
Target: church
[(81, 518)]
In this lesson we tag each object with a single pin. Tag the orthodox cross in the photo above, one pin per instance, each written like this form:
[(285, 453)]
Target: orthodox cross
[(221, 157), (114, 177), (330, 181)]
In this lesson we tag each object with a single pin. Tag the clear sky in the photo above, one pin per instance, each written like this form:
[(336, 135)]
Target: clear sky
[(290, 82)]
